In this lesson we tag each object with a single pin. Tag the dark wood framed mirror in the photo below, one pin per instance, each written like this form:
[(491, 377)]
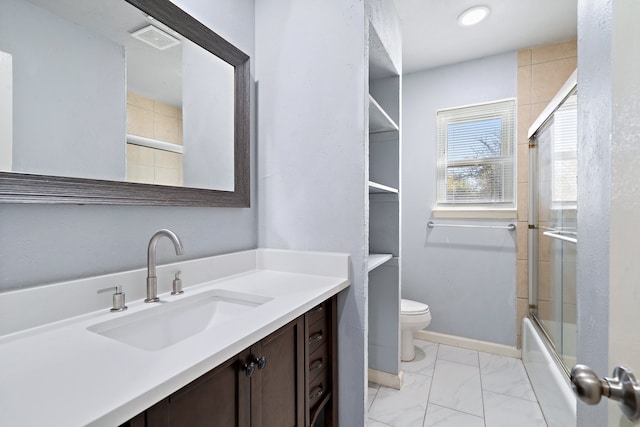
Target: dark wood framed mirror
[(21, 187)]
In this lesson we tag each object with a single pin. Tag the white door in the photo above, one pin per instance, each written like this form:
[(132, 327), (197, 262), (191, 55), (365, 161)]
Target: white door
[(608, 257)]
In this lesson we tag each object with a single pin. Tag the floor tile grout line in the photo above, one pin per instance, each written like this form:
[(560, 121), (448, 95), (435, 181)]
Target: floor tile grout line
[(537, 402), (370, 404), (378, 421), (511, 395), (484, 412), (526, 377), (534, 392), (456, 410), (433, 374), (381, 387), (523, 400)]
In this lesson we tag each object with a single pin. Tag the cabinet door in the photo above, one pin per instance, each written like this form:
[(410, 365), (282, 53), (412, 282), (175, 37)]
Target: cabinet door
[(277, 389), (220, 398)]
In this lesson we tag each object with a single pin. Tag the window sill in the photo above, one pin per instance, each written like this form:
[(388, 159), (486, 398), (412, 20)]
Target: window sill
[(474, 213)]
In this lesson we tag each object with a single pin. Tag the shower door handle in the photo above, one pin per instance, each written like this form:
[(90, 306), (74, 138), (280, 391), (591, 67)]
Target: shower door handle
[(621, 387)]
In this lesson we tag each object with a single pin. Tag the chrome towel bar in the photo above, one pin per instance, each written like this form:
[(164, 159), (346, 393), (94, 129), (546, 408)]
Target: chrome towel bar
[(510, 227)]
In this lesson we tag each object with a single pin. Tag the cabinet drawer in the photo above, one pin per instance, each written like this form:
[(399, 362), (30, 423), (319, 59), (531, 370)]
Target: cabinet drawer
[(318, 360), (318, 390), (317, 313), (318, 334)]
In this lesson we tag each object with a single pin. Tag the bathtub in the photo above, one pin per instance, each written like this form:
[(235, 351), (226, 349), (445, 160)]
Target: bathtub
[(549, 382)]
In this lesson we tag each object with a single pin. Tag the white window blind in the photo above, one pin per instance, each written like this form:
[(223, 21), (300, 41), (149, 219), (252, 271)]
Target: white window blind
[(564, 189), (476, 155)]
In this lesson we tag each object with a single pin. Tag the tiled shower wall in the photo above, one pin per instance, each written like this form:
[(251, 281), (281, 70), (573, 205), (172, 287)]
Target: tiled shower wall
[(156, 120), (541, 73)]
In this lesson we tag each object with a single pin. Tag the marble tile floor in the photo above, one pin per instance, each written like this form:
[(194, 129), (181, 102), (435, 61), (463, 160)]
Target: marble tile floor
[(453, 387)]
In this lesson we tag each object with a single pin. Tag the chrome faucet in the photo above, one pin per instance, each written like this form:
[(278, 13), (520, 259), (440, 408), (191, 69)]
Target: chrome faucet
[(152, 280)]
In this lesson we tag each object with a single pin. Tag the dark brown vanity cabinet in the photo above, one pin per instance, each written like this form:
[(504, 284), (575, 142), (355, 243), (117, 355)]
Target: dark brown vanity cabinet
[(321, 363), (276, 389), (285, 380), (215, 399)]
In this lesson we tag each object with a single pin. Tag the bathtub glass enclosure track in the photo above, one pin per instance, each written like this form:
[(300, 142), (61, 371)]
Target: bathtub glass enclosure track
[(552, 225)]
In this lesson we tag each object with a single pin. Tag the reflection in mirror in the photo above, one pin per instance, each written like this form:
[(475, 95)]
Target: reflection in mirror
[(564, 154), (6, 111), (102, 90), (154, 105)]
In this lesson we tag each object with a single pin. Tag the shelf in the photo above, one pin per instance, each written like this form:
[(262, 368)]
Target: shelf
[(375, 188), (376, 260), (379, 120)]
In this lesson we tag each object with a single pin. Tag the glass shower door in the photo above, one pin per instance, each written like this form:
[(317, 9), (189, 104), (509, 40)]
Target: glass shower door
[(552, 260)]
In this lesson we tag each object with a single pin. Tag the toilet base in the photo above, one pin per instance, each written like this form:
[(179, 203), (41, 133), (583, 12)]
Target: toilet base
[(407, 349)]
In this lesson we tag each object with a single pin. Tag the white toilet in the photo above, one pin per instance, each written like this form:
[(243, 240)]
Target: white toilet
[(413, 317)]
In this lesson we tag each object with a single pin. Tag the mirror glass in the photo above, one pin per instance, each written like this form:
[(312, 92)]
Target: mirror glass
[(101, 90)]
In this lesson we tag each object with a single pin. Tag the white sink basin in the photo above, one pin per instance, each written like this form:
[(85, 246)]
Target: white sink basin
[(172, 322)]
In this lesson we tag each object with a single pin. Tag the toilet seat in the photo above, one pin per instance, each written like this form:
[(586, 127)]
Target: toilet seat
[(413, 308)]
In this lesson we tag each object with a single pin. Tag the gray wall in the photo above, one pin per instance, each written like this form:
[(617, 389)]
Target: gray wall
[(311, 128), (461, 274), (41, 244), (83, 75)]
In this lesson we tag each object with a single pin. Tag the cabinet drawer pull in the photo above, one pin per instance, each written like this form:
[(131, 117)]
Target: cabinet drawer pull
[(317, 392), (316, 309), (316, 364), (261, 362), (315, 337), (249, 368)]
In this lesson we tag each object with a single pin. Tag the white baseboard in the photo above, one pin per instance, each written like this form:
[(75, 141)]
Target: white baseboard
[(386, 379), (468, 343)]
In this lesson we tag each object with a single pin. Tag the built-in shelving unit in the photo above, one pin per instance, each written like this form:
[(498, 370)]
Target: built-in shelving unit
[(384, 206), (384, 147)]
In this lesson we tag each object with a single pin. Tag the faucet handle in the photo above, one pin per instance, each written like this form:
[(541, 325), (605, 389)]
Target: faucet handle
[(118, 297), (177, 284)]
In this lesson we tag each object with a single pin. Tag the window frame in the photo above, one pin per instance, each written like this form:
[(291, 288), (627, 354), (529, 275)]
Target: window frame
[(504, 109)]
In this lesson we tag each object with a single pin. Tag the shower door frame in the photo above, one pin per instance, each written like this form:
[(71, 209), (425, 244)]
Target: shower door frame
[(533, 219)]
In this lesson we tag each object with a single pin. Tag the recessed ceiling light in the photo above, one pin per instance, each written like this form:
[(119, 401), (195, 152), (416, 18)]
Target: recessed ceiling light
[(473, 16)]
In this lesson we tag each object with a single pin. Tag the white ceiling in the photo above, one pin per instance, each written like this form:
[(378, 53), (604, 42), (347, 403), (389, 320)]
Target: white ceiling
[(431, 36)]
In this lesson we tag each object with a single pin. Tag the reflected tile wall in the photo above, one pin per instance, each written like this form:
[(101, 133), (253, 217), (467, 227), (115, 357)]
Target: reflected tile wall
[(157, 120)]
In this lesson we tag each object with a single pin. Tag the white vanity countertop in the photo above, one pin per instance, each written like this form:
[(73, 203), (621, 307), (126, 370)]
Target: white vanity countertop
[(61, 374)]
